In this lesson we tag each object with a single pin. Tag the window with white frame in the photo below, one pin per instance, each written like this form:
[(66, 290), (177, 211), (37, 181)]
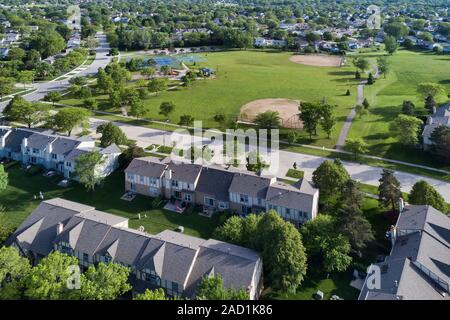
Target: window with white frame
[(243, 198)]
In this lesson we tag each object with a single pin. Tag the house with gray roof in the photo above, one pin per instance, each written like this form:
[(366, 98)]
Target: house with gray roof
[(215, 188), (418, 267), (440, 117), (170, 260), (51, 151)]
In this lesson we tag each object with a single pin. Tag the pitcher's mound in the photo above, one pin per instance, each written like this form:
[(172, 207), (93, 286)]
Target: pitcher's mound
[(317, 60), (286, 108)]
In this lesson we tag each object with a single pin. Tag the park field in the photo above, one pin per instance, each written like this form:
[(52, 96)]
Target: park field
[(408, 69), (245, 76)]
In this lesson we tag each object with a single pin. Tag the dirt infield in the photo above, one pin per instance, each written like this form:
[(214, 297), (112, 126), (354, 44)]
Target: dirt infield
[(317, 60), (287, 109)]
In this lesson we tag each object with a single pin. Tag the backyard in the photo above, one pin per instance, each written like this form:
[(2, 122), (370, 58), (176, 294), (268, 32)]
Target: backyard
[(18, 200)]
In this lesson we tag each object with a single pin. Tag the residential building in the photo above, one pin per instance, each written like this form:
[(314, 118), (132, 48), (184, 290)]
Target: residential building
[(440, 117), (53, 152), (418, 267), (4, 53), (263, 42), (170, 260), (216, 189)]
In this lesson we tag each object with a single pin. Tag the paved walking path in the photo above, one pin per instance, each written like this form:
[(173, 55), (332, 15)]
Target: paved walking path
[(348, 121)]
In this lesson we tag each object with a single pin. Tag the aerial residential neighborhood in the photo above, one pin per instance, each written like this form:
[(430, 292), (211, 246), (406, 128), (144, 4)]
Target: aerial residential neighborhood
[(188, 150)]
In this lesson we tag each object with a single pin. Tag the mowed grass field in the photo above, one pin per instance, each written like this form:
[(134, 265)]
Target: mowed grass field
[(244, 76), (408, 69)]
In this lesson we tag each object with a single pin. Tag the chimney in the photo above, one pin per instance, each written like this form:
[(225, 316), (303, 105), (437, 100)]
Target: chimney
[(430, 120), (401, 205), (168, 174), (396, 283), (25, 142), (393, 235), (434, 110), (59, 228)]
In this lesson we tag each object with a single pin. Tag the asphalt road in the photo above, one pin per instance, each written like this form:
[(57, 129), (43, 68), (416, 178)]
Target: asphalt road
[(42, 88)]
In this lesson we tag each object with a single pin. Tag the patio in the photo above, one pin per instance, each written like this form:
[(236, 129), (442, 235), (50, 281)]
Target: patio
[(175, 206), (128, 196)]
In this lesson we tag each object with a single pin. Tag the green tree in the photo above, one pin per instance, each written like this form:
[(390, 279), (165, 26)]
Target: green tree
[(105, 282), (27, 112), (328, 119), (366, 103), (389, 189), (6, 86), (14, 269), (211, 288), (255, 162), (384, 66), (87, 169), (48, 42), (361, 63), (148, 72), (430, 104), (330, 177), (111, 134), (279, 242), (426, 89), (396, 29), (90, 103), (408, 107), (129, 154), (68, 118), (356, 146), (422, 193), (440, 143), (104, 82), (407, 129), (219, 118), (323, 242), (268, 119), (48, 280), (390, 44), (138, 109), (352, 224), (310, 116), (166, 108), (351, 196), (25, 77), (6, 227), (53, 97), (157, 294), (186, 120), (157, 85)]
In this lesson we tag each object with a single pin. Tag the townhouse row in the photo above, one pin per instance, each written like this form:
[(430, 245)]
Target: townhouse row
[(169, 260), (53, 152), (216, 189)]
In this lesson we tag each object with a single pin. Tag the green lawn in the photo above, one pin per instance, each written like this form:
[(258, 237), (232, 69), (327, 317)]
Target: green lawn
[(19, 203), (408, 69), (339, 283), (244, 76)]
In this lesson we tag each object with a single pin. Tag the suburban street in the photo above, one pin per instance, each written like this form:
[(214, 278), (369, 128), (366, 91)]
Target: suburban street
[(42, 88), (307, 163)]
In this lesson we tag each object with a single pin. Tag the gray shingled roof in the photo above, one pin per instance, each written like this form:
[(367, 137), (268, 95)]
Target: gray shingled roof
[(14, 139), (113, 148), (64, 146), (288, 196), (172, 255), (185, 172), (251, 185), (75, 153), (39, 141), (147, 166), (426, 243), (215, 182)]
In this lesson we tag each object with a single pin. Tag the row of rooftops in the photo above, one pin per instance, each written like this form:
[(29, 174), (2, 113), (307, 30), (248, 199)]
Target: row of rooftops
[(441, 117), (418, 266), (173, 256), (14, 138), (219, 182)]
